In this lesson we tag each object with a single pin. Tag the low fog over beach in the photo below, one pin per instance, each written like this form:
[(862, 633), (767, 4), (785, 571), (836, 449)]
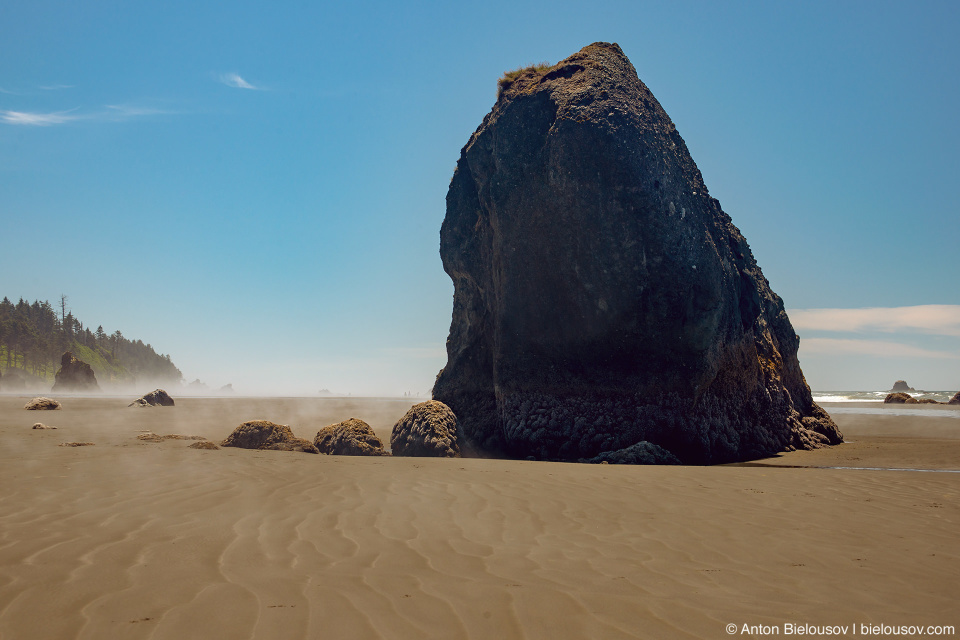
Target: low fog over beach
[(135, 539)]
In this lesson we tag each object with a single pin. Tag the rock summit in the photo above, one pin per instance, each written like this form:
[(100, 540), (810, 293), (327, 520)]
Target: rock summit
[(602, 298)]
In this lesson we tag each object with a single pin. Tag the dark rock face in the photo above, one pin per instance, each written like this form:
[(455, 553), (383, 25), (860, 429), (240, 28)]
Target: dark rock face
[(900, 398), (42, 404), (602, 298), (262, 434), (955, 399), (156, 398), (351, 437), (74, 375), (901, 385), (429, 430)]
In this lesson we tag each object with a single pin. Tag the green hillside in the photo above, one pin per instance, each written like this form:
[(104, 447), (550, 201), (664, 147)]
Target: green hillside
[(34, 336)]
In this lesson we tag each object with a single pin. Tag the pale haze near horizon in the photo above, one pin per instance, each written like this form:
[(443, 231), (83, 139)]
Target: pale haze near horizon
[(259, 191)]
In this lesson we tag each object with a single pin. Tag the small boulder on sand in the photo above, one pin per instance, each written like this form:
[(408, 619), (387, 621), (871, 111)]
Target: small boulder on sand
[(149, 436), (263, 434), (76, 444), (428, 429), (42, 404), (900, 398), (640, 453), (352, 437), (40, 425), (156, 398), (205, 444)]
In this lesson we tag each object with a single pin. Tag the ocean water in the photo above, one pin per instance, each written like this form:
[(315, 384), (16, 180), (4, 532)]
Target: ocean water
[(876, 396)]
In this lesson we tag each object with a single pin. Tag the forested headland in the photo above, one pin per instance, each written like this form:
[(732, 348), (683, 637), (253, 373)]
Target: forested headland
[(34, 336)]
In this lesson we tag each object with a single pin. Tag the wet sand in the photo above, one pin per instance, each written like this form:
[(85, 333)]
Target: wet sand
[(133, 539)]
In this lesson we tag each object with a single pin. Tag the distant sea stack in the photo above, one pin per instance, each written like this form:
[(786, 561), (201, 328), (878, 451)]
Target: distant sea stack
[(74, 375), (901, 385), (602, 298)]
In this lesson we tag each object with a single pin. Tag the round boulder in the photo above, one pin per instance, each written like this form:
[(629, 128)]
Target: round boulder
[(263, 434), (428, 429), (351, 437), (42, 404), (156, 398), (204, 444), (900, 398)]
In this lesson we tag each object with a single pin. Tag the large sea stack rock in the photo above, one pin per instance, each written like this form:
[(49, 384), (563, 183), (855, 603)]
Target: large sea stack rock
[(74, 375), (901, 385), (601, 297)]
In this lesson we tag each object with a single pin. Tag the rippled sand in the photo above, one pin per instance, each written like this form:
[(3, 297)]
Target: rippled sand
[(135, 539)]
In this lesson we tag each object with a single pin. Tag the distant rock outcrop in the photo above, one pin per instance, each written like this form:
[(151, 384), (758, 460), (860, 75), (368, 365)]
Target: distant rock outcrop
[(42, 404), (602, 298), (352, 437), (75, 375), (901, 385), (262, 434), (955, 399), (900, 398), (428, 429), (226, 389), (156, 398)]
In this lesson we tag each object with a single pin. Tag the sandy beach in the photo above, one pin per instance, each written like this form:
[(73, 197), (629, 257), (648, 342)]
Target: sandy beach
[(135, 539)]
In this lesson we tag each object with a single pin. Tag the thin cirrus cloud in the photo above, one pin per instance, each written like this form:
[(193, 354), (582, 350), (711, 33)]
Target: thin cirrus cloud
[(37, 119), (110, 113), (931, 319), (877, 348), (234, 80)]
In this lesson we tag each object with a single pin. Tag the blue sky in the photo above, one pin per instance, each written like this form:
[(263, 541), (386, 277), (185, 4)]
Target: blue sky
[(257, 188)]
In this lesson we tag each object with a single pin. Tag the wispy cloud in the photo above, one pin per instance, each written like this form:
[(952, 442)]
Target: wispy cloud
[(109, 113), (55, 87), (234, 80), (126, 112), (880, 348), (37, 119), (933, 319)]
